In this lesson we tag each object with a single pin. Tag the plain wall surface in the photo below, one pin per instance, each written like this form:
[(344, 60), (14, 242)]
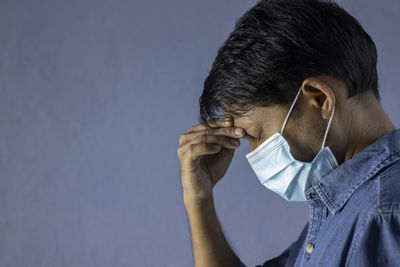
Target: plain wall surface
[(93, 98)]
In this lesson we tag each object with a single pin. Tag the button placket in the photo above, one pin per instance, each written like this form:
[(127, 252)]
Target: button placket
[(309, 248), (315, 221)]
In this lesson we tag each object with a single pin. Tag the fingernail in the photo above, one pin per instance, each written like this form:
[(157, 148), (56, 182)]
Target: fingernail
[(238, 131)]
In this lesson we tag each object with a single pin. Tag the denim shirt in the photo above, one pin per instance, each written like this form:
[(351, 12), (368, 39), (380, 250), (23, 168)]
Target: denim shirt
[(354, 213)]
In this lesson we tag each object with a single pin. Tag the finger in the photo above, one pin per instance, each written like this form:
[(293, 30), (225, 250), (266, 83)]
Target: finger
[(215, 122), (201, 144), (234, 132), (201, 149), (221, 140)]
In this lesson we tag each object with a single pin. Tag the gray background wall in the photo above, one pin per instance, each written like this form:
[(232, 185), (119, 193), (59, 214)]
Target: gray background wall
[(93, 98)]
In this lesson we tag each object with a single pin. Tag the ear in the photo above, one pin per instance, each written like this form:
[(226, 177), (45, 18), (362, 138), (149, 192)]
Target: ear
[(320, 95)]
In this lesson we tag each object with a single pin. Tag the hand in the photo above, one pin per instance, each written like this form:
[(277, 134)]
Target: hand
[(205, 154)]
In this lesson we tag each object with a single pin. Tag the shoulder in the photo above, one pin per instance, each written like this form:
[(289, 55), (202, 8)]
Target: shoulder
[(376, 241), (389, 188)]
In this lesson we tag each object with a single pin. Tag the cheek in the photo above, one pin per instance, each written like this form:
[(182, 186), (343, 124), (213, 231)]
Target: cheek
[(252, 146), (254, 143)]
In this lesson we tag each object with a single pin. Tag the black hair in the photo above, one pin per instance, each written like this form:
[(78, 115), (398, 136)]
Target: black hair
[(277, 44)]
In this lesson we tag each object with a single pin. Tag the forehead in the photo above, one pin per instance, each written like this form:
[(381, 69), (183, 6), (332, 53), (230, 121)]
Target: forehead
[(253, 115), (248, 120), (260, 117)]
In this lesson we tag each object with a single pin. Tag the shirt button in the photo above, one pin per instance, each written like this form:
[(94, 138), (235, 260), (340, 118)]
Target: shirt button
[(309, 248), (311, 195)]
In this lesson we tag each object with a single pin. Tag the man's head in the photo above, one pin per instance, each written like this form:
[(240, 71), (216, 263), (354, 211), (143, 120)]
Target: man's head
[(279, 46)]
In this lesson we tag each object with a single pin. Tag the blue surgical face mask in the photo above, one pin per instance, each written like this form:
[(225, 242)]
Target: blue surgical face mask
[(279, 171)]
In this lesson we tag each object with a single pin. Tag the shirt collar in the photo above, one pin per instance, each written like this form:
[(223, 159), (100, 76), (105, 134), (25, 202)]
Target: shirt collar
[(338, 186)]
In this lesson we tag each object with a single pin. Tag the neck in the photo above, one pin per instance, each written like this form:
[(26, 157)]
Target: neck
[(365, 127)]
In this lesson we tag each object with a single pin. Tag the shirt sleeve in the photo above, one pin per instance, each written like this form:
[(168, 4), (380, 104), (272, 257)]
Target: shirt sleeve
[(288, 256), (379, 242)]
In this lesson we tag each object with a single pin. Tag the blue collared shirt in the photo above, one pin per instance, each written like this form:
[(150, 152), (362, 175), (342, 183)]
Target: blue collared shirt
[(355, 213)]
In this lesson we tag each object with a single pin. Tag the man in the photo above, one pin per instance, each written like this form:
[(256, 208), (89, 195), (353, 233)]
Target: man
[(298, 80)]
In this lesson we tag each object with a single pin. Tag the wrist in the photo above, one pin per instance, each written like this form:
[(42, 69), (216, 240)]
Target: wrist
[(190, 199)]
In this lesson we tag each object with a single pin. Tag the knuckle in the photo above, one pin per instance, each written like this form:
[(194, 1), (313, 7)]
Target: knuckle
[(181, 139), (205, 146), (192, 148), (203, 138), (222, 131), (201, 125), (179, 151)]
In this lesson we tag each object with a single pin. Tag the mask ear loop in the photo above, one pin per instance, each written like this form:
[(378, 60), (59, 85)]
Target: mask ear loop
[(327, 128), (290, 110)]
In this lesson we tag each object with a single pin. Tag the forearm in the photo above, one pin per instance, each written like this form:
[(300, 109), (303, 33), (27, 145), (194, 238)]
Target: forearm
[(210, 248)]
